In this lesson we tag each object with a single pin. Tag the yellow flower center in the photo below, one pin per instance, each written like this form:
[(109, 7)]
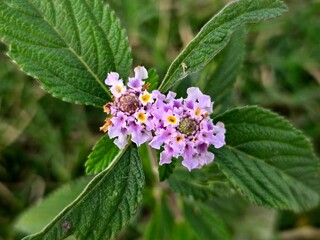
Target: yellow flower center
[(145, 98), (172, 120), (179, 138), (118, 89), (197, 112), (141, 117)]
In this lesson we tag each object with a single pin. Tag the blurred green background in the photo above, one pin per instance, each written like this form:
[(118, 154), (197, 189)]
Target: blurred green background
[(44, 142)]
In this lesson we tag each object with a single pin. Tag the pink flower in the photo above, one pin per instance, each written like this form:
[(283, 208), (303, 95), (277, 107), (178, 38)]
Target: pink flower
[(184, 128), (130, 115), (181, 127), (136, 82)]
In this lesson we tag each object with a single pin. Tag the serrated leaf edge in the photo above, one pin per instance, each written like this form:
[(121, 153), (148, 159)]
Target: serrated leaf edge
[(83, 193), (164, 84)]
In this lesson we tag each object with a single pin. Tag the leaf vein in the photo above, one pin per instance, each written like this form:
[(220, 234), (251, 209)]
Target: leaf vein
[(72, 50)]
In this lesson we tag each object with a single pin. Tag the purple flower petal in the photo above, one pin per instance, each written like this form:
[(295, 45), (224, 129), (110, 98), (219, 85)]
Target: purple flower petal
[(205, 103), (170, 119), (207, 124), (201, 100), (121, 141), (189, 104), (219, 135), (193, 93), (202, 147), (141, 72), (112, 79), (164, 136), (177, 103), (205, 158), (118, 89), (166, 156), (114, 131), (219, 140), (189, 161), (119, 120), (139, 135), (135, 83), (170, 96), (206, 136), (178, 145)]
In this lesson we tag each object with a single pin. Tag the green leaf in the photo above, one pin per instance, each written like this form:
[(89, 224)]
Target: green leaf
[(268, 161), (214, 36), (218, 82), (202, 184), (146, 156), (166, 225), (166, 170), (205, 222), (183, 231), (68, 45), (229, 209), (153, 79), (105, 206), (37, 217), (162, 222), (103, 153)]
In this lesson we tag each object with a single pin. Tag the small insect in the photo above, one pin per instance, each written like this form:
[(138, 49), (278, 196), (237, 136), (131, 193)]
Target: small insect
[(184, 68), (66, 225)]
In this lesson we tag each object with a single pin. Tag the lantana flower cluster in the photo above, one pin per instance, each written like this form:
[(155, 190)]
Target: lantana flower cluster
[(176, 126)]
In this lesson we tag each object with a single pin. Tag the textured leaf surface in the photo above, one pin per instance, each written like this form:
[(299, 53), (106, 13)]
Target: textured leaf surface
[(218, 82), (201, 184), (103, 153), (166, 170), (105, 206), (214, 36), (68, 45), (205, 222), (37, 217), (268, 161)]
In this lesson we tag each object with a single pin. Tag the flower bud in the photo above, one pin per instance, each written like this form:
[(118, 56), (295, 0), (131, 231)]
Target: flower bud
[(187, 126), (128, 103)]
